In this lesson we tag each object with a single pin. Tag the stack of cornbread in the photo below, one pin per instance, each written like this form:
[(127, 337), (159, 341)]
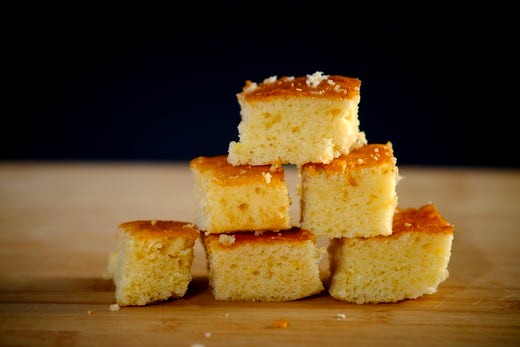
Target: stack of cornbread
[(347, 194), (377, 252)]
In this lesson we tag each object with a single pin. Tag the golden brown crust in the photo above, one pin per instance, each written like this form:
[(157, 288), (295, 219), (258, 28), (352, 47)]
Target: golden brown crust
[(145, 229), (370, 155), (293, 235), (424, 219), (226, 174), (316, 85)]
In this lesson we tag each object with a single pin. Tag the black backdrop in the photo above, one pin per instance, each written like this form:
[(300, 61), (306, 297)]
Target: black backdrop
[(160, 84)]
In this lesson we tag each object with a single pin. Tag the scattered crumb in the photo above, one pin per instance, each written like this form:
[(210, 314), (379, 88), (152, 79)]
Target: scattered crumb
[(315, 79), (250, 86), (280, 324), (338, 89), (226, 315), (207, 334), (226, 240), (153, 221), (360, 161), (289, 78), (376, 150), (259, 232), (407, 224), (271, 79), (189, 225), (317, 92), (267, 177), (114, 307), (340, 316), (197, 345), (90, 312)]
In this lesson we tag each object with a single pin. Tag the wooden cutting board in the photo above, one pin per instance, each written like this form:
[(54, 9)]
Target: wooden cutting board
[(58, 222)]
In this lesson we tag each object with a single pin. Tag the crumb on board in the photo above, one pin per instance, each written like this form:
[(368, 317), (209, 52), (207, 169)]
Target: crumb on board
[(340, 316), (114, 307), (90, 312), (207, 334), (280, 324)]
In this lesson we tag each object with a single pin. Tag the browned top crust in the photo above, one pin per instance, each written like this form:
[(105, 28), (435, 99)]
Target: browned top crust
[(365, 156), (152, 229), (315, 85), (226, 174), (294, 235), (424, 219)]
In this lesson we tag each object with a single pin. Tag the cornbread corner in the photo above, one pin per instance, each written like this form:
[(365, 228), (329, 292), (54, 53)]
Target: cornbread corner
[(263, 266), (297, 120), (407, 264), (354, 195), (237, 198), (153, 261)]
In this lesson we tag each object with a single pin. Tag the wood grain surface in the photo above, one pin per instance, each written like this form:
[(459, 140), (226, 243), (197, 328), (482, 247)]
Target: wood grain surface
[(58, 222)]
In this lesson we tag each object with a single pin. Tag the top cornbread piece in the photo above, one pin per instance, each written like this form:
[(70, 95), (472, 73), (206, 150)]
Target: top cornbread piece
[(239, 198), (297, 120), (354, 195)]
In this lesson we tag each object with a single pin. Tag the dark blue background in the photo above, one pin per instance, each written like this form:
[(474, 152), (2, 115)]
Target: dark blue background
[(112, 84)]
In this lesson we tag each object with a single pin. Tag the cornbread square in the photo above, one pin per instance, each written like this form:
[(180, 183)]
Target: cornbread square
[(297, 120), (268, 266), (236, 198), (354, 195), (153, 261), (411, 262)]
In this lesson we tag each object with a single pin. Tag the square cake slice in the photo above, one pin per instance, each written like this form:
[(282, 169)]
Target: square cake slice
[(235, 198), (354, 195), (297, 120), (410, 263), (153, 261), (268, 266)]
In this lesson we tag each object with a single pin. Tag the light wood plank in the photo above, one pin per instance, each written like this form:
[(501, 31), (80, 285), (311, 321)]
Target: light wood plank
[(57, 225)]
